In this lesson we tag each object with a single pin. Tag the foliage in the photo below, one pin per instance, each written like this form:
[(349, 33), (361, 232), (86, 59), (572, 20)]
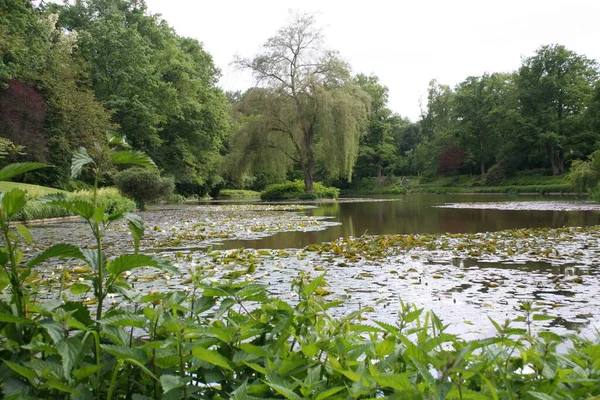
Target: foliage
[(496, 175), (143, 185), (230, 339), (296, 190), (555, 88), (585, 175), (238, 194), (451, 159), (375, 186)]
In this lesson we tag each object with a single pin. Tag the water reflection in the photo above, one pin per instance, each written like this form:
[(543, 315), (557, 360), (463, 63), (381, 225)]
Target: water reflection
[(417, 213)]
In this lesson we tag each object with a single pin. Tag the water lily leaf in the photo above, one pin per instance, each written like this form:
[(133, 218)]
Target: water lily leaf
[(79, 288)]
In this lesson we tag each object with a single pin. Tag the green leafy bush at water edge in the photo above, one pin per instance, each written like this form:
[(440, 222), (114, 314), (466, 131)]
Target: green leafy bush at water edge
[(109, 197), (238, 193), (294, 190), (143, 185)]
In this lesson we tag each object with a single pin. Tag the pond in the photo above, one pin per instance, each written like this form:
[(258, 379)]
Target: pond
[(421, 213), (466, 257)]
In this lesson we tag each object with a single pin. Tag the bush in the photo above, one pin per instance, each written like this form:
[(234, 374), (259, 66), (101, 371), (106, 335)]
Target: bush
[(496, 175), (143, 185), (109, 198), (295, 190)]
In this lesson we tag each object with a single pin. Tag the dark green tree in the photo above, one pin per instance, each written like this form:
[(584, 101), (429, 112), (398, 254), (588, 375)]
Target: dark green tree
[(555, 88)]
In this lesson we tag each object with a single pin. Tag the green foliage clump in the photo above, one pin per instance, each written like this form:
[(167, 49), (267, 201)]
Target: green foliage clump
[(585, 175), (371, 186), (496, 175), (295, 190), (238, 194), (143, 185), (108, 198)]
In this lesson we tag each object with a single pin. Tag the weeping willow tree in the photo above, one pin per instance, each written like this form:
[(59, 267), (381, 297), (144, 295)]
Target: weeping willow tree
[(305, 108)]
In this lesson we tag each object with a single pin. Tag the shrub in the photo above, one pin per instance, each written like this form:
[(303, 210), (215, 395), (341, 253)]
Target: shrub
[(108, 197), (496, 175), (295, 190), (143, 185)]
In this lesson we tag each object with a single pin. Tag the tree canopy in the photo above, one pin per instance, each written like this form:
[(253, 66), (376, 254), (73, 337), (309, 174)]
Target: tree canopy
[(309, 108)]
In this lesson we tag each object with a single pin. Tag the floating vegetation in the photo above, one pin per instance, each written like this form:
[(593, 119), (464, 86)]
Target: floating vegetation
[(463, 277)]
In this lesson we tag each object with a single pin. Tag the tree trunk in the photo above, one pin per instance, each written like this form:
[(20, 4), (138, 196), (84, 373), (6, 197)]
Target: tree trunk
[(308, 181), (379, 174), (481, 158), (556, 161)]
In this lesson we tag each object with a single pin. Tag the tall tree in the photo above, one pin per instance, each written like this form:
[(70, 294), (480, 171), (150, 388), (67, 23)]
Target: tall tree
[(309, 100), (475, 99), (377, 149), (555, 88)]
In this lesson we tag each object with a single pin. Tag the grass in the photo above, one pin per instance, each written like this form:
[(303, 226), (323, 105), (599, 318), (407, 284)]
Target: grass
[(238, 194), (33, 191)]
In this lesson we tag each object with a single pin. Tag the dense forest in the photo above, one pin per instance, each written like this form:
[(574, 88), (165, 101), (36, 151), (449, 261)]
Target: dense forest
[(71, 74)]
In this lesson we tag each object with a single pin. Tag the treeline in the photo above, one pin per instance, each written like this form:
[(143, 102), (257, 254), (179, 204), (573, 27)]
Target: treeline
[(543, 116), (71, 74)]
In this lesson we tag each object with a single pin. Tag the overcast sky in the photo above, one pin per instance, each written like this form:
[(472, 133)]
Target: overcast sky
[(404, 43)]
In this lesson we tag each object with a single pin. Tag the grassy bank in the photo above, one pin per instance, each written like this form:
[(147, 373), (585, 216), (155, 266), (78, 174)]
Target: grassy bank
[(524, 182)]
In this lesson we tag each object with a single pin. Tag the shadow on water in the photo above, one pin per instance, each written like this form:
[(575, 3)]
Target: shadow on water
[(418, 213)]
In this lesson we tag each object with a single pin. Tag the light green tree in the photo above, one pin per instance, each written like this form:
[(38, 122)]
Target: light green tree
[(309, 101)]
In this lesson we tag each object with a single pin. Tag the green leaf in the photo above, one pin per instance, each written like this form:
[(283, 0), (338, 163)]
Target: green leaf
[(79, 207), (13, 202), (125, 353), (24, 232), (541, 396), (136, 227), (254, 350), (313, 285), (330, 392), (398, 382), (9, 318), (61, 251), (69, 350), (282, 390), (125, 320), (211, 356), (15, 169), (132, 157), (79, 288), (127, 262), (21, 370), (170, 382), (81, 158)]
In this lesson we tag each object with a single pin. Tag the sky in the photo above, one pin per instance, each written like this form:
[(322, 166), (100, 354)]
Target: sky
[(405, 43)]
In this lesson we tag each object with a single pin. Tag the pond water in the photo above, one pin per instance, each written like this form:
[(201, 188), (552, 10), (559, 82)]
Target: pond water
[(421, 213), (457, 255)]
